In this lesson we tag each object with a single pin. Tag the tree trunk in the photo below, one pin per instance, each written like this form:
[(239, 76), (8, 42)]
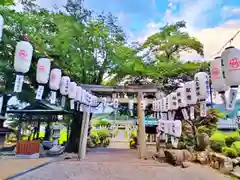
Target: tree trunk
[(4, 107), (75, 132), (73, 141)]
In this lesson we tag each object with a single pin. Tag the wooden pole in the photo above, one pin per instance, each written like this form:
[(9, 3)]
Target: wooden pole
[(141, 129)]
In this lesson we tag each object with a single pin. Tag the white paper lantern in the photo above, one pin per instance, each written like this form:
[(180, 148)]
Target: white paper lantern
[(22, 62), (182, 103), (72, 93), (181, 97), (161, 124), (231, 69), (54, 83), (218, 81), (159, 105), (154, 105), (190, 90), (167, 103), (42, 77), (94, 100), (43, 70), (64, 85), (177, 128), (23, 57), (78, 97), (72, 90), (164, 106), (55, 79), (158, 95), (166, 129), (64, 88), (1, 27), (231, 66), (202, 85), (88, 100), (191, 96), (174, 101), (84, 97), (169, 127)]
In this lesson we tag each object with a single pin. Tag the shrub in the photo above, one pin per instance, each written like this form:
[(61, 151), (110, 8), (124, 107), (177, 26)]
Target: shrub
[(94, 138), (229, 141), (101, 122), (229, 152), (181, 145), (106, 142), (103, 134), (217, 141), (204, 129), (236, 145), (100, 137), (189, 140)]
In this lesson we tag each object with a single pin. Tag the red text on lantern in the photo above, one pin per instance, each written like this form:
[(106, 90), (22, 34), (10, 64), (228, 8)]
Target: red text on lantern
[(234, 63), (215, 73), (41, 68), (22, 54)]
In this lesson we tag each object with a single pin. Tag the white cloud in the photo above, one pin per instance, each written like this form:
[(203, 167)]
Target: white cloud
[(197, 15), (214, 38), (49, 4), (229, 11)]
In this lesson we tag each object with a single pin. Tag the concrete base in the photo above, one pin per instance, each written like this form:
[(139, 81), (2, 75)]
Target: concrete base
[(31, 156)]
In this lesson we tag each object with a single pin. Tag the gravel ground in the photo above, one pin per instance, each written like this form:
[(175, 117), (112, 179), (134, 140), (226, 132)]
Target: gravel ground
[(119, 164)]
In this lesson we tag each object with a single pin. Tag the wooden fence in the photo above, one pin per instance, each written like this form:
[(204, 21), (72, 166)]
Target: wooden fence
[(26, 147)]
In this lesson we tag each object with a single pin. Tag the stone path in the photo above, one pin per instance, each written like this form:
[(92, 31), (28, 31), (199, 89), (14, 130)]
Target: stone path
[(12, 166), (119, 164)]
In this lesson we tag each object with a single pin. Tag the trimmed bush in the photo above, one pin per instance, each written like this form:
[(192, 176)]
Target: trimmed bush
[(217, 141), (236, 145), (100, 137), (229, 152), (101, 122)]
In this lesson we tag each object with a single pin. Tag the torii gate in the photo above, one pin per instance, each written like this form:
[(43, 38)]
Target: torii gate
[(139, 89)]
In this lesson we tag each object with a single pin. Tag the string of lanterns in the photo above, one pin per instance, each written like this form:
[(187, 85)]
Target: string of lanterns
[(44, 75), (224, 71)]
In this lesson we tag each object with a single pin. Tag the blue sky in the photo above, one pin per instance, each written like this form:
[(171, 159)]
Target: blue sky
[(137, 15), (141, 18)]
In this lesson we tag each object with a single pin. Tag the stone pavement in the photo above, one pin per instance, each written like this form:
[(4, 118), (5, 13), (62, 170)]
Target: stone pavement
[(11, 166), (119, 164)]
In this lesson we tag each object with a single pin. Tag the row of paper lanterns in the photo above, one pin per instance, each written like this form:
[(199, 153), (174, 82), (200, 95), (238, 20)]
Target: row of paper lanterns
[(186, 96), (46, 75), (225, 73)]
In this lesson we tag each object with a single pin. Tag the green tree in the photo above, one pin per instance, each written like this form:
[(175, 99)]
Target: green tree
[(6, 2), (170, 41)]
